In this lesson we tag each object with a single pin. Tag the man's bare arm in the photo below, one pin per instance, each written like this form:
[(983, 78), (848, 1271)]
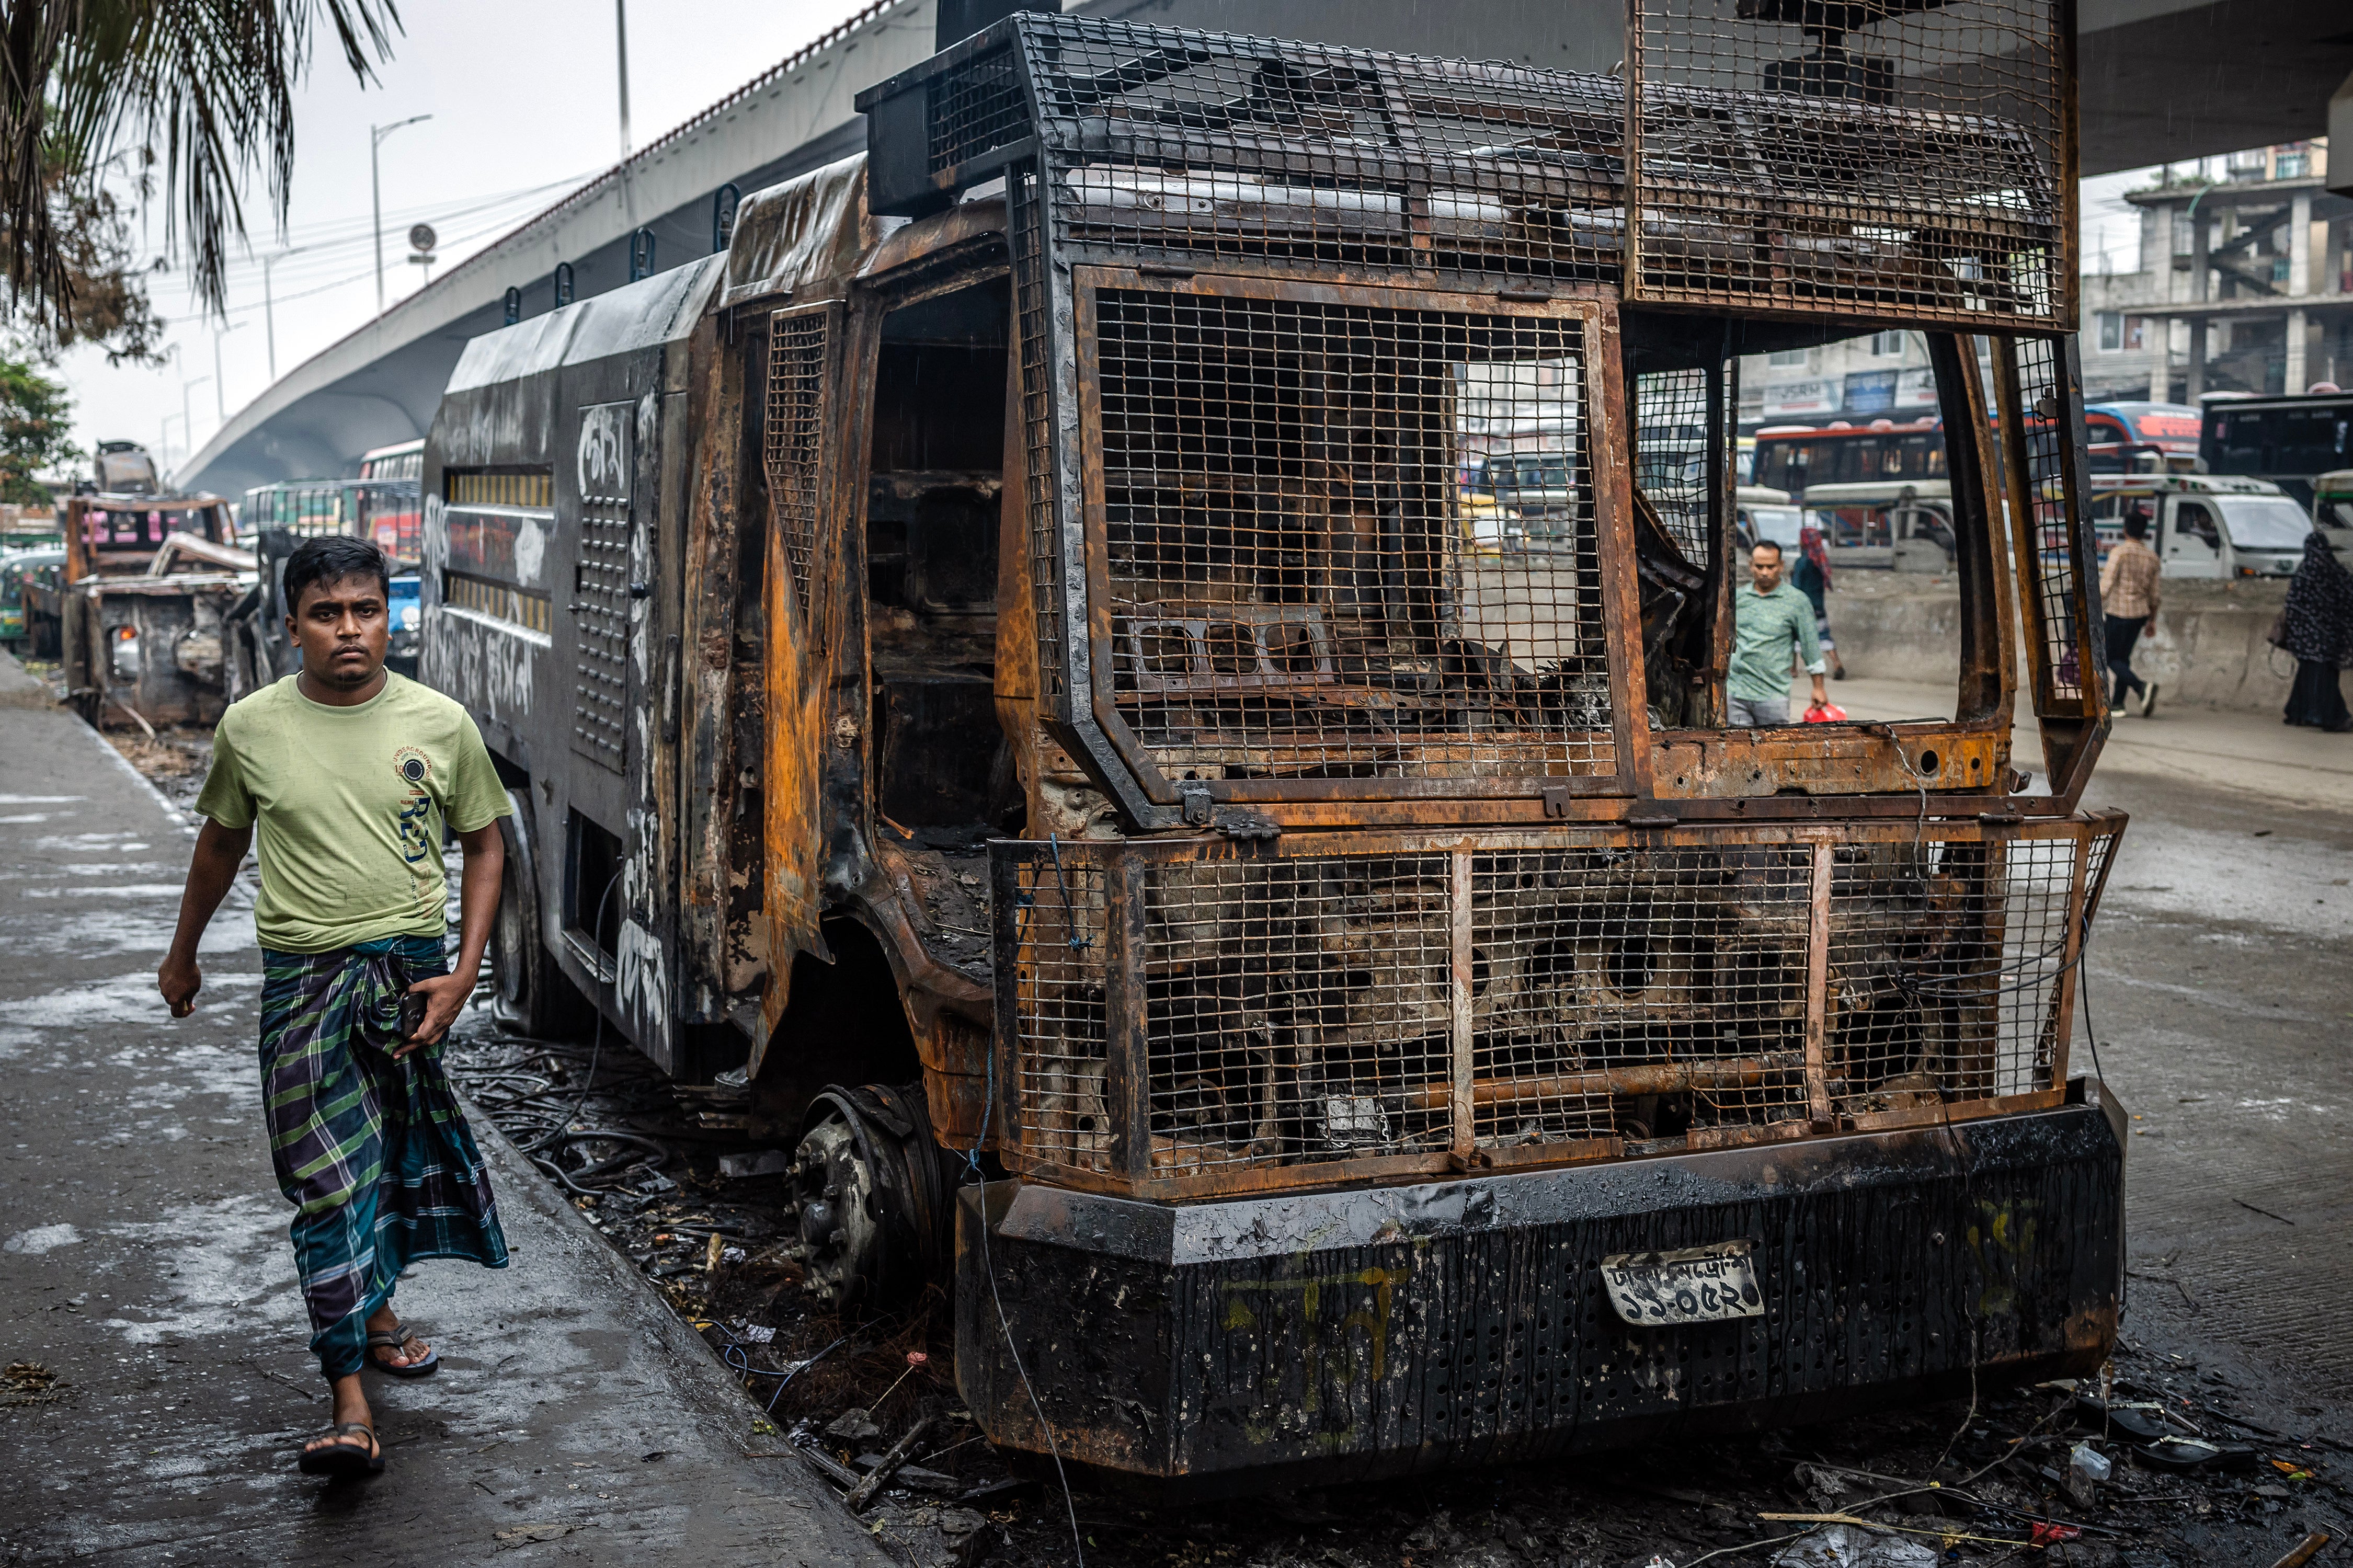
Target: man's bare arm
[(478, 905), (211, 868)]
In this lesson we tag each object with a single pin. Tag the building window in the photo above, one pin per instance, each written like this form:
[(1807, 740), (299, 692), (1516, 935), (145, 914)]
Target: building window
[(2135, 333), (1886, 345), (1787, 359), (2252, 164), (2112, 331), (2291, 166)]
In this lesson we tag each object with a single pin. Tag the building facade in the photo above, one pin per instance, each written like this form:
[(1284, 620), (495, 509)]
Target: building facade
[(2244, 283)]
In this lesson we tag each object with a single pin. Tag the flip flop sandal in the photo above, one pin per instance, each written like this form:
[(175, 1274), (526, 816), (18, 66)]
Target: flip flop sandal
[(340, 1458), (399, 1341)]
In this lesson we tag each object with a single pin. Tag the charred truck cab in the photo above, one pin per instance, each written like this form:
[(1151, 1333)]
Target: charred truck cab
[(1004, 660)]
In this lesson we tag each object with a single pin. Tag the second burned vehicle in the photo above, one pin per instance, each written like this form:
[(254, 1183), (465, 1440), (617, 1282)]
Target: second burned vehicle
[(1002, 657)]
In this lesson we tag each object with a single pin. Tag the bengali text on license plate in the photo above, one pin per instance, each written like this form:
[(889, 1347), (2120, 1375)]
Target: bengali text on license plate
[(1697, 1285)]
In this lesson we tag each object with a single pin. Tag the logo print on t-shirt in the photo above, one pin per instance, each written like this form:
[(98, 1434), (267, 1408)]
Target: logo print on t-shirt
[(413, 765)]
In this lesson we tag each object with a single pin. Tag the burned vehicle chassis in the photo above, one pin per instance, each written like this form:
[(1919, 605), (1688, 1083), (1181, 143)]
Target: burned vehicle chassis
[(1027, 688)]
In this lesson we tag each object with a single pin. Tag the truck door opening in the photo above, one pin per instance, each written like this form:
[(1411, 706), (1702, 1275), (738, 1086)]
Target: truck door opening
[(944, 770)]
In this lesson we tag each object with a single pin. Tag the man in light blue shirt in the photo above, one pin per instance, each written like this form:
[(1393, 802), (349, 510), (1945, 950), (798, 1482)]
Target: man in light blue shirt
[(1771, 622)]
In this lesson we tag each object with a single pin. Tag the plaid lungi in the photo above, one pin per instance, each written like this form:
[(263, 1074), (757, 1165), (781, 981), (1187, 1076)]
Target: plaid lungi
[(373, 1153)]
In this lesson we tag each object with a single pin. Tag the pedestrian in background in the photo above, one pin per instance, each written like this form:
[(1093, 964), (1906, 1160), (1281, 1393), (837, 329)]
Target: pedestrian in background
[(1811, 577), (2317, 626), (349, 771), (2128, 593), (1771, 620)]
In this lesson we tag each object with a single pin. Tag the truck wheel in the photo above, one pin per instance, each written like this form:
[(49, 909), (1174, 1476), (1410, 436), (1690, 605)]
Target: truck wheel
[(873, 1198), (534, 996)]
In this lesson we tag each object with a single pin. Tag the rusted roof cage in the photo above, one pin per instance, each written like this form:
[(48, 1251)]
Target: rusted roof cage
[(1895, 158), (1900, 157), (1188, 1018)]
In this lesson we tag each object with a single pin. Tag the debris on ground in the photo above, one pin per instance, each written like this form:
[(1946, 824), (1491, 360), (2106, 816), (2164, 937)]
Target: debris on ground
[(29, 1383), (2201, 1473)]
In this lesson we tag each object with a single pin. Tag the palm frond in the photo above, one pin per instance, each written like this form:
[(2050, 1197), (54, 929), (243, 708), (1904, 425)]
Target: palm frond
[(204, 87)]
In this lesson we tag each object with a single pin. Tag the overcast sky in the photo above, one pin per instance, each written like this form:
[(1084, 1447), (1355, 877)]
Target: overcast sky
[(524, 106), (524, 102)]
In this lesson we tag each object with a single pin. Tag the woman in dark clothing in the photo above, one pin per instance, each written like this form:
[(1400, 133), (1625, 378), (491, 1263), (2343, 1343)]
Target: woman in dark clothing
[(1811, 577), (2318, 630)]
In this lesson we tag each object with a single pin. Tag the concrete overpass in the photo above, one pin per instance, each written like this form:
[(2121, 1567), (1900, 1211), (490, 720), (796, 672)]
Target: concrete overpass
[(2163, 81)]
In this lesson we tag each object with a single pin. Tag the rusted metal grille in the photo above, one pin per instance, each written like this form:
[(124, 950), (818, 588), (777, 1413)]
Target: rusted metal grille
[(2042, 443), (600, 620), (1292, 1007), (1946, 965), (976, 108), (1606, 983), (1177, 1017), (1349, 540), (1054, 906), (1898, 157), (1031, 306), (1674, 425), (793, 440)]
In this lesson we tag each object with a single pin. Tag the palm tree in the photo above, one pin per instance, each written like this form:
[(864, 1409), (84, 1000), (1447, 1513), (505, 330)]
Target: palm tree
[(204, 88)]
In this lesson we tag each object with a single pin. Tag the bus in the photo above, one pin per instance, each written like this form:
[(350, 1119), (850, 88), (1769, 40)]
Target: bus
[(2123, 439), (2288, 441)]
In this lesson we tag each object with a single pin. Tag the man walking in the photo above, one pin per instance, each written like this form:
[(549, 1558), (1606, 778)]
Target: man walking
[(349, 772), (1771, 622), (2128, 595)]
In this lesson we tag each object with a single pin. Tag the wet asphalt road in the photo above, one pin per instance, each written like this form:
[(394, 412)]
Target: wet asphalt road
[(2221, 994), (143, 1262)]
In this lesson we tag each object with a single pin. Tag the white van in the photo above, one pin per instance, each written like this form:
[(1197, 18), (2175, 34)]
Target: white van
[(2206, 525), (1904, 524)]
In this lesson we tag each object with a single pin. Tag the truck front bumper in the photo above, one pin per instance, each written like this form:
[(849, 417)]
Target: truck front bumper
[(1344, 1336)]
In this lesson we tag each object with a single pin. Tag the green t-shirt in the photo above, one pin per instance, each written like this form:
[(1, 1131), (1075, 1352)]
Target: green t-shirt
[(1766, 630), (350, 803)]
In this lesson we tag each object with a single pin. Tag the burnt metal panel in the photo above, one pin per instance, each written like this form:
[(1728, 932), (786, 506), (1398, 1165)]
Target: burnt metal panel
[(1318, 1338)]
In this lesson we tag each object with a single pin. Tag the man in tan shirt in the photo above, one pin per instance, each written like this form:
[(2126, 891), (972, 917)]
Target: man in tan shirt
[(2128, 593)]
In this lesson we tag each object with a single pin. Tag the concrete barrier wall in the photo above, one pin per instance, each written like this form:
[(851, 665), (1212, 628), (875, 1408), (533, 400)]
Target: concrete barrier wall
[(2207, 647)]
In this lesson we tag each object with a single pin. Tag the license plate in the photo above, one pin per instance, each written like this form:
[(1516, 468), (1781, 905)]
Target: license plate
[(1696, 1285)]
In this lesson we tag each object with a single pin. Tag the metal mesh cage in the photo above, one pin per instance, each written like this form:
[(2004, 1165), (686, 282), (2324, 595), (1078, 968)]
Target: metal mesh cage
[(1348, 539), (794, 434), (1678, 415), (1899, 157), (1190, 1018), (2044, 446)]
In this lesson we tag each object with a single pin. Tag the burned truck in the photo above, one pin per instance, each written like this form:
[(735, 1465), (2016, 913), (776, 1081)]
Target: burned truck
[(140, 607), (1002, 663)]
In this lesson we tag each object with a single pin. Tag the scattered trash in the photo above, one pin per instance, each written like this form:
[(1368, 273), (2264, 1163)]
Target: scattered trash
[(29, 1383), (2087, 1470), (756, 1334), (2046, 1533), (524, 1534), (755, 1163), (1852, 1546), (852, 1425), (880, 1476), (2303, 1551)]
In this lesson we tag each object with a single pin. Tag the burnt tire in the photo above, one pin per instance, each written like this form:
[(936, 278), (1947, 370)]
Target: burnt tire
[(873, 1198), (532, 996)]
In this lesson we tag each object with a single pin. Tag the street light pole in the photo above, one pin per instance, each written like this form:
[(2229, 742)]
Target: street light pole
[(269, 310), (621, 54), (377, 133)]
